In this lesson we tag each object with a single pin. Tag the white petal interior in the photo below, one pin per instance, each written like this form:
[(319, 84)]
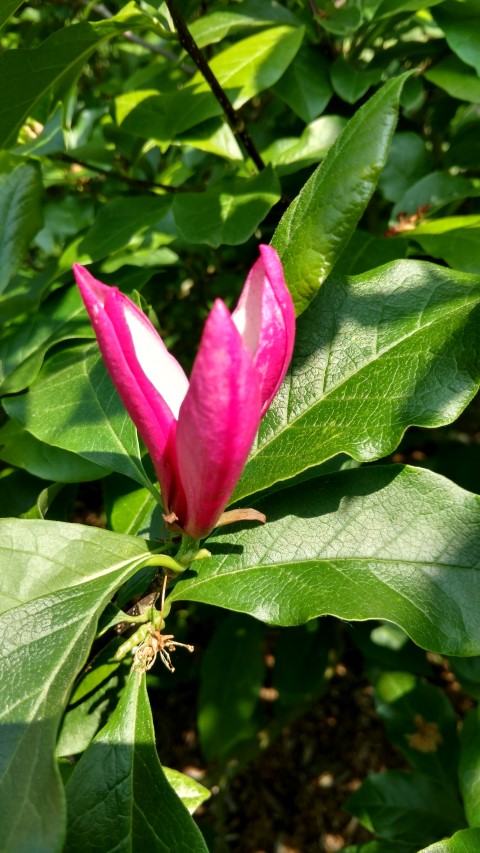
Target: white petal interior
[(161, 368)]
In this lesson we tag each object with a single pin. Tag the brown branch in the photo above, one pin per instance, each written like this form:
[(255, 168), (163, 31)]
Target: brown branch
[(233, 117)]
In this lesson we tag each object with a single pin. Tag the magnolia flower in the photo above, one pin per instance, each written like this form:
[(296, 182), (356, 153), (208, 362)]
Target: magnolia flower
[(198, 433)]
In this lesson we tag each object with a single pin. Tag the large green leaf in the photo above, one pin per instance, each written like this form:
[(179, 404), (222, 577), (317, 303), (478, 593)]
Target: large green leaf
[(465, 841), (393, 543), (318, 224), (243, 70), (374, 354), (74, 405), (26, 74), (119, 786), (20, 215), (23, 347), (56, 578)]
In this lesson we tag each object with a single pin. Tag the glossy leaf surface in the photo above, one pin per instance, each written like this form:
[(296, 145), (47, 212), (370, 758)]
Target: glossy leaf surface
[(392, 543), (314, 231), (373, 355), (55, 582), (119, 782)]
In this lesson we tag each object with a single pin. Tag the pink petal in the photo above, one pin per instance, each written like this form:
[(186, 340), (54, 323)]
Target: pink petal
[(149, 380), (265, 317), (217, 423)]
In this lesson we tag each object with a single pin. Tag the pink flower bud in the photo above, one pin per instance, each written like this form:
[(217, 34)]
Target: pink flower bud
[(198, 434)]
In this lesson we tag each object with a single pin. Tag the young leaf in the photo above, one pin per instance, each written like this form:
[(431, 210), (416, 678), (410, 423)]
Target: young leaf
[(318, 224), (392, 542), (345, 391), (54, 584), (119, 786)]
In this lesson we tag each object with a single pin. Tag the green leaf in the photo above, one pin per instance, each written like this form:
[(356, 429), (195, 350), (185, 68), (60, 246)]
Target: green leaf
[(132, 510), (421, 722), (243, 70), (7, 10), (118, 222), (394, 7), (217, 25), (465, 841), (120, 783), (379, 846), (351, 83), (228, 213), (467, 672), (91, 420), (435, 191), (18, 447), (460, 21), (232, 675), (345, 393), (364, 252), (18, 492), (313, 232), (305, 86), (27, 74), (456, 239), (341, 20), (55, 582), (456, 78), (469, 769), (407, 161), (23, 347), (392, 543), (191, 793), (409, 807), (20, 215), (291, 154)]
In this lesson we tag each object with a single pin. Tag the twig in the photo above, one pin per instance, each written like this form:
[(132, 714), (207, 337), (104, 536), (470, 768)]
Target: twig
[(233, 117), (132, 182)]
